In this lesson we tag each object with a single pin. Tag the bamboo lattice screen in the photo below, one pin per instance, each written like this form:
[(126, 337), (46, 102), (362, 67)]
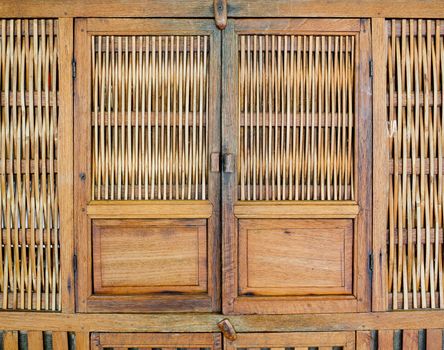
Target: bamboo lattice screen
[(296, 117), (415, 66), (149, 117), (29, 213)]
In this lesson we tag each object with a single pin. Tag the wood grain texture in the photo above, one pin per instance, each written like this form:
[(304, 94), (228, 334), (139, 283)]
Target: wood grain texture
[(155, 340), (236, 8), (380, 162), (330, 340), (30, 276), (295, 257), (65, 170), (141, 256)]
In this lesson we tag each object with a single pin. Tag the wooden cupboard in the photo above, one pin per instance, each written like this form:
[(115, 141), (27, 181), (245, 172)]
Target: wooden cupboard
[(249, 174)]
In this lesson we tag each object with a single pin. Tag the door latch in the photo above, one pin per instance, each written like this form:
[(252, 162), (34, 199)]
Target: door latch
[(227, 329), (220, 13)]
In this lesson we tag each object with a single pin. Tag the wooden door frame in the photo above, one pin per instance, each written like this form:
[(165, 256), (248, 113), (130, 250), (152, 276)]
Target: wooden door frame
[(360, 301), (85, 209)]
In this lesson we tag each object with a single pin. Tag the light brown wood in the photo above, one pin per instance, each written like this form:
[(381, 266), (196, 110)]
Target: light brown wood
[(65, 170), (35, 340), (434, 339), (10, 340), (380, 161), (295, 257), (60, 340), (237, 8), (136, 256), (155, 340), (363, 340), (346, 340), (303, 209), (144, 210)]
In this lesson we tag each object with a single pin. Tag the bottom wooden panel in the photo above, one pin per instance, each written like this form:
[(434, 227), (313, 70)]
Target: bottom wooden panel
[(160, 341), (407, 339), (38, 340), (296, 341)]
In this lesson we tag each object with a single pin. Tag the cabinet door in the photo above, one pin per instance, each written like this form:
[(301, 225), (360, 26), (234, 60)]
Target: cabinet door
[(147, 203), (297, 165), (296, 341), (121, 341)]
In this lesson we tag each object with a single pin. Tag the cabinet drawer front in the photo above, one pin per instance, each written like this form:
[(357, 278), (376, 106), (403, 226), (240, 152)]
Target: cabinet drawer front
[(137, 256), (295, 257)]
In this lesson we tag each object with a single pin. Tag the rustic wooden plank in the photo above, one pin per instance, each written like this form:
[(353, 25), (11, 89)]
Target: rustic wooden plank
[(35, 340), (10, 340), (65, 169), (363, 340), (380, 162), (60, 340), (82, 171), (385, 340), (410, 339), (299, 209), (83, 341), (204, 322), (149, 210), (339, 8), (434, 339), (236, 8)]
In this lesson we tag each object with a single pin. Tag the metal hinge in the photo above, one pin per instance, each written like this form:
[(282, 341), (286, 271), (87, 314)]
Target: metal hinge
[(370, 262), (370, 68), (74, 68), (74, 264)]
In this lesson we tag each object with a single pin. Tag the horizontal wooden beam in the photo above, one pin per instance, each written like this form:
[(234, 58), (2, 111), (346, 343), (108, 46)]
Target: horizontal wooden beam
[(32, 321), (236, 8), (295, 209), (155, 209)]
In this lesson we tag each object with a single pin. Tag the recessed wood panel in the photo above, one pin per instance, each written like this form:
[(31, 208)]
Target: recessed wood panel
[(139, 256), (295, 257)]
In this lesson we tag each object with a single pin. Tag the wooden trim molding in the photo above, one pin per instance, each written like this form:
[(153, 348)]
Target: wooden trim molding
[(236, 8)]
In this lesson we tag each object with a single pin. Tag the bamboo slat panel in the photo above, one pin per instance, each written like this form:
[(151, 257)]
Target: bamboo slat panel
[(29, 209), (296, 117), (406, 339), (415, 77), (149, 117)]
